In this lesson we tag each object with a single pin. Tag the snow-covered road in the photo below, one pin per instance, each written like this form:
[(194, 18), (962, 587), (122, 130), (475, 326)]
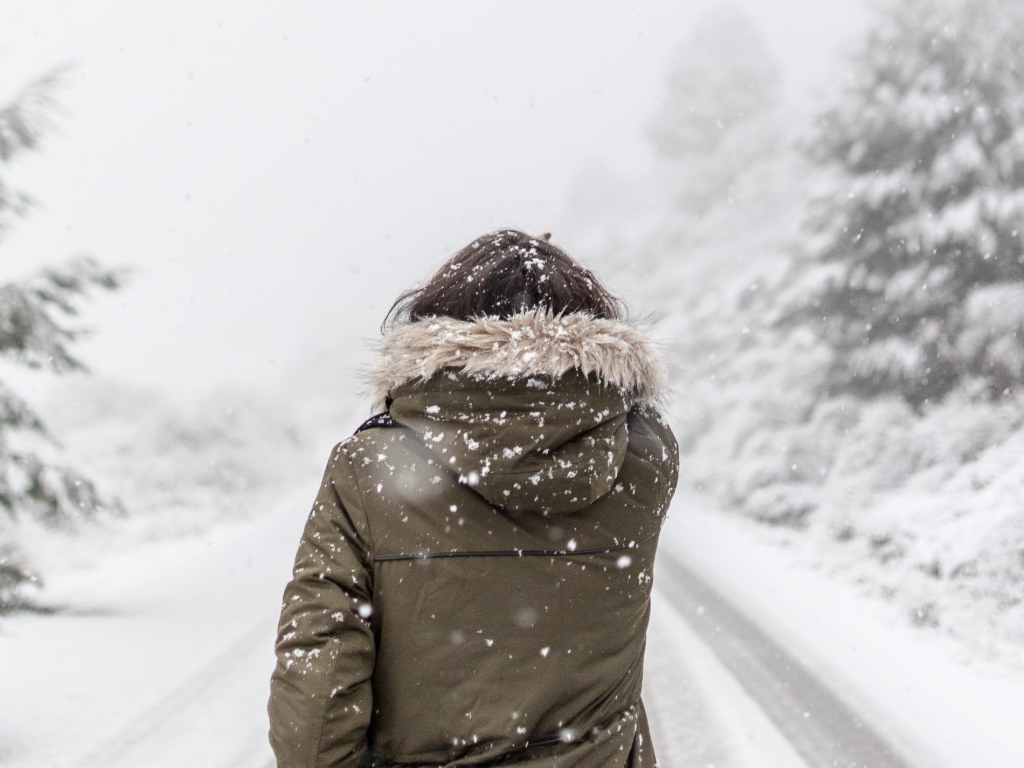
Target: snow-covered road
[(165, 661), (817, 723)]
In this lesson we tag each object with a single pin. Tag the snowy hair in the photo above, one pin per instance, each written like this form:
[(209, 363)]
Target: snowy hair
[(505, 273)]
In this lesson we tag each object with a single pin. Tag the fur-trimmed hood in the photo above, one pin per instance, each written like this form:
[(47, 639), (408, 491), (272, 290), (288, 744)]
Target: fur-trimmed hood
[(620, 352), (533, 412)]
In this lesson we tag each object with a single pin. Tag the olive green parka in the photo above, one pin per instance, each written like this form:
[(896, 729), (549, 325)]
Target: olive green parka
[(472, 587)]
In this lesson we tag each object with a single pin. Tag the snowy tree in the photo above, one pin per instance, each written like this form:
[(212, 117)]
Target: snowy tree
[(916, 276), (22, 124), (34, 332), (709, 127)]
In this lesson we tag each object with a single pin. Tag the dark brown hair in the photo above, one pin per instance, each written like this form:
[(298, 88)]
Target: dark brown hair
[(504, 273)]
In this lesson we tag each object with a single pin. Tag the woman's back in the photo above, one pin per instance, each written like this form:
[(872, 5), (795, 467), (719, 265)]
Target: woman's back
[(473, 585)]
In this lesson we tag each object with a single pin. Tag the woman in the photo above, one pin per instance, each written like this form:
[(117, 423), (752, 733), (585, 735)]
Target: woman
[(473, 584)]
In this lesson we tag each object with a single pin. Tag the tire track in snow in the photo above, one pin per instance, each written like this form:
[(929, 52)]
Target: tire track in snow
[(700, 714), (822, 728)]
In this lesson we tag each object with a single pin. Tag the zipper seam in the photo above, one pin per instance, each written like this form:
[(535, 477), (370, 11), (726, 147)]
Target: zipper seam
[(514, 552)]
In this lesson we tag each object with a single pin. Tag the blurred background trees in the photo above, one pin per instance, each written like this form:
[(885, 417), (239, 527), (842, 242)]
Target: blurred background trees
[(34, 332), (918, 247), (844, 296), (718, 116)]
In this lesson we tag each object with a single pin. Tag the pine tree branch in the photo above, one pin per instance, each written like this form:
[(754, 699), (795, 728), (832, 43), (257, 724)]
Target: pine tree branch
[(23, 124), (15, 413), (56, 495), (31, 330), (25, 120)]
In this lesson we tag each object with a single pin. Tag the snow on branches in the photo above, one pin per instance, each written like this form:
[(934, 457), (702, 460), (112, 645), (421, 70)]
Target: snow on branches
[(34, 332), (925, 223)]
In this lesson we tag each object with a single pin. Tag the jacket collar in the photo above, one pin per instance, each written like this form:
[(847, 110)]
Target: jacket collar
[(620, 352)]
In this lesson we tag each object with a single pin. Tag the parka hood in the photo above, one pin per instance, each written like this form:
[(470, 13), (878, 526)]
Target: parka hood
[(529, 411)]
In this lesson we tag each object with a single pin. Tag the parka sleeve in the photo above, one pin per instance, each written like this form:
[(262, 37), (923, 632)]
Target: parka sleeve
[(320, 692)]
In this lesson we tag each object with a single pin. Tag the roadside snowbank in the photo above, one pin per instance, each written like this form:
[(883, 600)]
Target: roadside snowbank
[(924, 507), (935, 695)]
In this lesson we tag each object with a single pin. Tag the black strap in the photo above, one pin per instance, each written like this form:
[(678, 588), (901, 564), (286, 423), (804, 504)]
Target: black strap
[(382, 420)]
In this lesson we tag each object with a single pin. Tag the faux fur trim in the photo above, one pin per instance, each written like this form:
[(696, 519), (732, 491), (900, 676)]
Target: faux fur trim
[(620, 352)]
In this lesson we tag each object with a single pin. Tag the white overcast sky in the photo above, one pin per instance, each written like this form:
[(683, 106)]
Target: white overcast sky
[(278, 171)]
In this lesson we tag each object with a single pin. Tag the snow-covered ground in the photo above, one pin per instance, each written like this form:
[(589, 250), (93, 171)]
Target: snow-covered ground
[(931, 695), (162, 656)]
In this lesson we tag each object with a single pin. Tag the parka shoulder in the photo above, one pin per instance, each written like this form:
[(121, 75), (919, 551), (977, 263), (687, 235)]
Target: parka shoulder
[(380, 420), (370, 439)]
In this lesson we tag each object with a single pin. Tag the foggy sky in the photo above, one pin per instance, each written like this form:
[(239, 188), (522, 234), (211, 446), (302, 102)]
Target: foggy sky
[(278, 172)]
